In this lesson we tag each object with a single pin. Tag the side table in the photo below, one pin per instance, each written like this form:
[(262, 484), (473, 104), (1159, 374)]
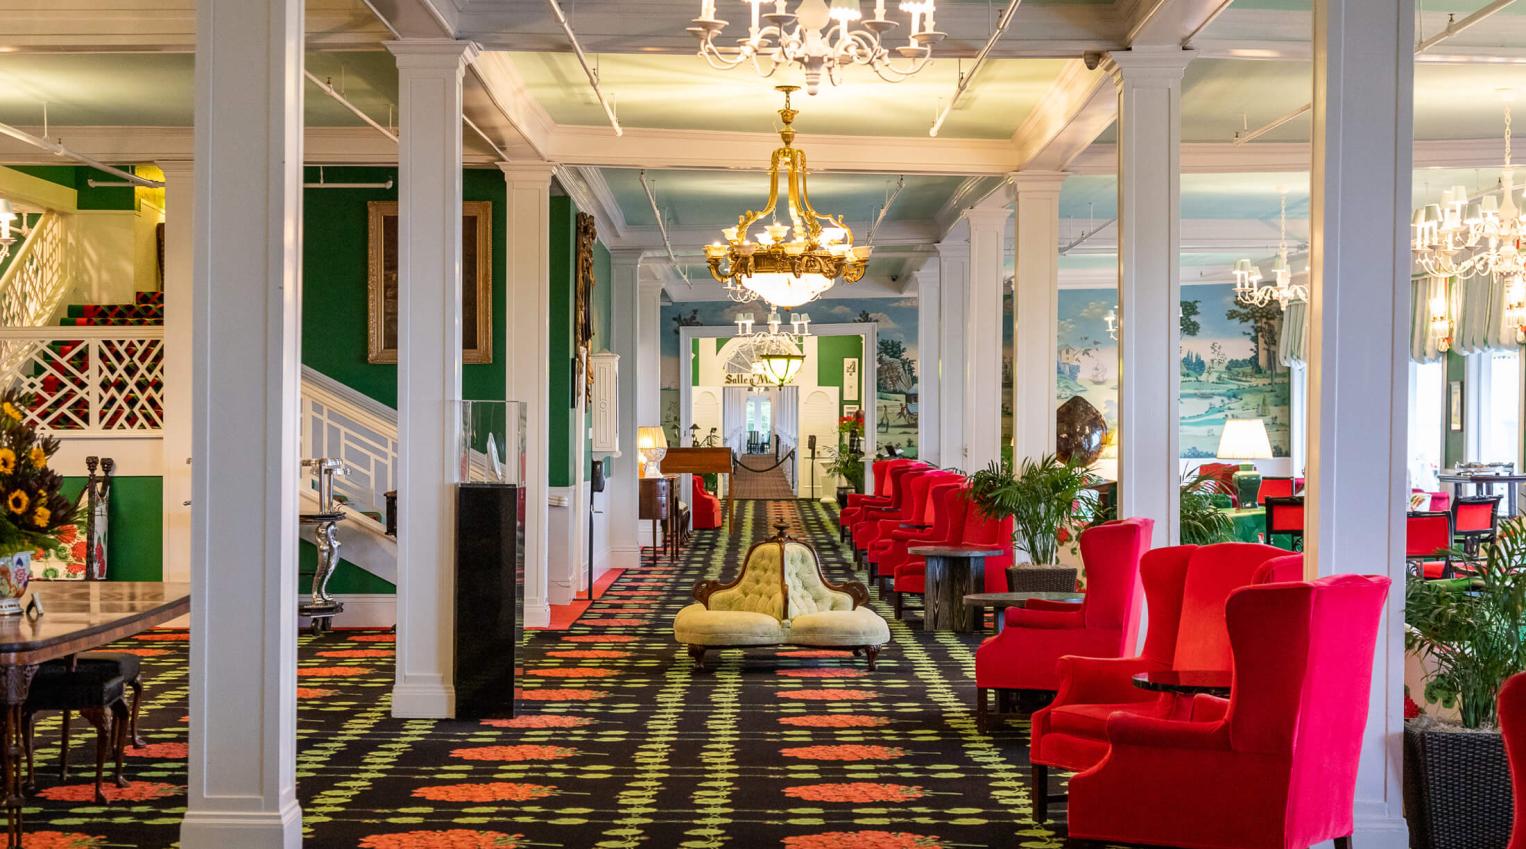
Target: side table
[(953, 572)]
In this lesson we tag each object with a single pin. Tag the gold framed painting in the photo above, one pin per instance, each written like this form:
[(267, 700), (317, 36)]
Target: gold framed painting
[(476, 282)]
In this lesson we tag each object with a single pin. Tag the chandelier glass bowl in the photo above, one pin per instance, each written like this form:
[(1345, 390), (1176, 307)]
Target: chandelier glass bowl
[(821, 40), (787, 265), (777, 356)]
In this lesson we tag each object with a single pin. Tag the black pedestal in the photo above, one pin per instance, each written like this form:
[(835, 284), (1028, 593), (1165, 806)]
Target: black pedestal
[(489, 597)]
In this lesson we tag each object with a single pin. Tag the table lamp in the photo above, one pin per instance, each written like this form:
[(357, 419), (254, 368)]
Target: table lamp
[(652, 443), (1244, 439)]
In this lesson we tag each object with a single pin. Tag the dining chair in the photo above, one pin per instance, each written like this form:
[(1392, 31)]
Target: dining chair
[(1427, 537), (1284, 516), (1272, 487), (1475, 520)]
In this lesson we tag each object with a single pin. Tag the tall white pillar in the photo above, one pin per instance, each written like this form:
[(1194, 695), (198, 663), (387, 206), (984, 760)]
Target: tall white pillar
[(648, 363), (953, 283), (1358, 334), (1149, 83), (529, 377), (983, 352), (929, 382), (179, 373), (247, 282), (1036, 303), (625, 328), (428, 369)]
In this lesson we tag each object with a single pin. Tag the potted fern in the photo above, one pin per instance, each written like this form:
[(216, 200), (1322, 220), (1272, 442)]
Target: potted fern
[(1470, 635), (1049, 501)]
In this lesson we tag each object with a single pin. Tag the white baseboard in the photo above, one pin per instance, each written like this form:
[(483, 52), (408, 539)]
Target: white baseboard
[(362, 610), (423, 701), (624, 557), (537, 615), (208, 829), (1381, 832)]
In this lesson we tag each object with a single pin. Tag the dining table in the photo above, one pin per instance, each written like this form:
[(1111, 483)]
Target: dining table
[(1484, 481), (68, 617)]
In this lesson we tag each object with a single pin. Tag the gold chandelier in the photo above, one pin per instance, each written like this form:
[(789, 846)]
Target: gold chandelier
[(788, 264)]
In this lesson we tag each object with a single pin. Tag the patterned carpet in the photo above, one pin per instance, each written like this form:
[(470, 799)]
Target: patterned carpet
[(619, 744)]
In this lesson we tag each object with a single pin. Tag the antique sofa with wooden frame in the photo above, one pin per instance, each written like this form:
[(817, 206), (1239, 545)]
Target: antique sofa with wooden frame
[(781, 598)]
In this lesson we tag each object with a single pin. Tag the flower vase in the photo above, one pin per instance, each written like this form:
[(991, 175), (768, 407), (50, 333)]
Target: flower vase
[(15, 573)]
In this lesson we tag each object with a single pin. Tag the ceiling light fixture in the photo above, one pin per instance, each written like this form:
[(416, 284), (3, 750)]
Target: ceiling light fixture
[(789, 264), (1248, 290), (777, 356), (821, 40)]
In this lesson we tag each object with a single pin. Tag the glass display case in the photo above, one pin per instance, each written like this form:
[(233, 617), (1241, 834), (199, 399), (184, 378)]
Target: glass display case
[(490, 561)]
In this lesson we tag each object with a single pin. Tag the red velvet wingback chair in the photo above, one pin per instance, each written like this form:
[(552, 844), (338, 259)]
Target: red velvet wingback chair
[(890, 548), (707, 508), (1104, 624), (1272, 767), (904, 573), (862, 504), (976, 529), (1512, 720), (1185, 588), (857, 501), (903, 508)]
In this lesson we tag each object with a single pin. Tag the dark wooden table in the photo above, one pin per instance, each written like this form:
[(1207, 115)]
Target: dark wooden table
[(658, 503), (80, 616), (953, 572), (999, 602), (1186, 682)]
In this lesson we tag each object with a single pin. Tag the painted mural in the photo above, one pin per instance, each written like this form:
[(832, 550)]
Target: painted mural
[(1229, 364), (896, 360)]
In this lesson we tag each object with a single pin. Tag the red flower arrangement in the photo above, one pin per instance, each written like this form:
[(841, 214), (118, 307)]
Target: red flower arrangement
[(855, 791), (867, 839), (835, 720), (454, 838), (494, 791), (832, 695), (514, 754), (844, 752), (542, 720)]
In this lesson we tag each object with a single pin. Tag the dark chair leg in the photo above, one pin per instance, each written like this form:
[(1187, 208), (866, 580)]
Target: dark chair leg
[(870, 654), (119, 729), (1040, 793), (899, 604), (1343, 842), (100, 719), (698, 653), (982, 709), (63, 749), (137, 696), (27, 729)]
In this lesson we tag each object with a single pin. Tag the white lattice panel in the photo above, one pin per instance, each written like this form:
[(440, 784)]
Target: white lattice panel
[(88, 380)]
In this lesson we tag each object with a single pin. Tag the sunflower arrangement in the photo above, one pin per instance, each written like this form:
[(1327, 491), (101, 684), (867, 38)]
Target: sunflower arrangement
[(32, 509)]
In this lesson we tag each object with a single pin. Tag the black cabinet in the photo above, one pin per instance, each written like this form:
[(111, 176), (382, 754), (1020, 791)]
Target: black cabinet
[(490, 567)]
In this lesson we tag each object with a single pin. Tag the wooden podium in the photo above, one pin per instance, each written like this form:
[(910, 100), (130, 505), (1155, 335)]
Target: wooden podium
[(702, 461)]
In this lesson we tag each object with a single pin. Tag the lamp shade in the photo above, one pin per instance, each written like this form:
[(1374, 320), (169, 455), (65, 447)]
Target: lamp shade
[(1244, 439), (781, 367), (650, 437)]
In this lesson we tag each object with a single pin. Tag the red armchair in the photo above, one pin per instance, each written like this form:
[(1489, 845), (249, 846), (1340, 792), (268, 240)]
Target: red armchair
[(1512, 720), (857, 501), (1105, 624), (889, 551), (902, 509), (1224, 474), (707, 508), (920, 510), (1185, 589), (1272, 767), (976, 528)]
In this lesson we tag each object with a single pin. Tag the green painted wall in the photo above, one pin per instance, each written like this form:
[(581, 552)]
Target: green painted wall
[(1454, 442), (135, 536), (348, 578), (830, 352), (334, 260), (77, 178), (562, 265)]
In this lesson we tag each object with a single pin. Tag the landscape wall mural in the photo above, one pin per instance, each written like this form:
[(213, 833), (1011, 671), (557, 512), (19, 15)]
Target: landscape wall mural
[(896, 395), (1229, 363)]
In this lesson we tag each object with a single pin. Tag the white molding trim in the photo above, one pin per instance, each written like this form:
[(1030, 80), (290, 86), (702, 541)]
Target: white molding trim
[(246, 830), (417, 700)]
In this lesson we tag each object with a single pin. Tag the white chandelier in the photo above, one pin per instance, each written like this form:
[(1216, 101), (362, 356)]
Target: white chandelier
[(1248, 288), (821, 40), (776, 356)]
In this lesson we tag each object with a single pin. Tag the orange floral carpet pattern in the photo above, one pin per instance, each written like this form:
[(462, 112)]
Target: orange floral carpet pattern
[(618, 742)]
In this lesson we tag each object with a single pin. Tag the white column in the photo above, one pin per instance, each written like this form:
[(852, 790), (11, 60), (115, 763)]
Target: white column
[(179, 376), (1358, 333), (529, 377), (1036, 302), (648, 363), (953, 283), (929, 382), (1149, 82), (625, 328), (983, 318), (247, 282), (428, 370)]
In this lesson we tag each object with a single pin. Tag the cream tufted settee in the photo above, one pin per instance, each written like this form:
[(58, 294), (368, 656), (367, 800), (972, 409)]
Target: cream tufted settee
[(781, 598)]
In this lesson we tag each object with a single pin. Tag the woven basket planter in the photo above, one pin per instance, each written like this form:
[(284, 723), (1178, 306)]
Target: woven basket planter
[(1029, 578), (1456, 787)]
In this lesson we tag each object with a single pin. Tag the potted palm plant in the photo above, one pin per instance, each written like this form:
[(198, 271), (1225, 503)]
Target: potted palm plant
[(848, 465), (1469, 633), (1049, 502)]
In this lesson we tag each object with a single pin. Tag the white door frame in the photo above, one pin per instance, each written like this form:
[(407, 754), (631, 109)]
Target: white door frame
[(867, 331)]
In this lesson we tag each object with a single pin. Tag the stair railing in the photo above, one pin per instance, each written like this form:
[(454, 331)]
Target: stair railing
[(339, 422), (88, 381), (39, 275)]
